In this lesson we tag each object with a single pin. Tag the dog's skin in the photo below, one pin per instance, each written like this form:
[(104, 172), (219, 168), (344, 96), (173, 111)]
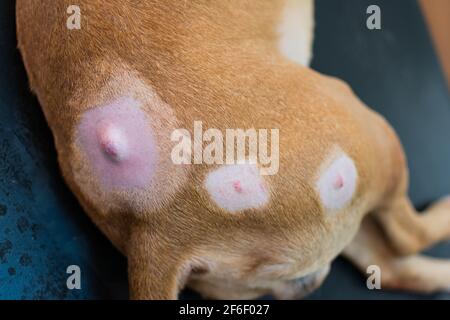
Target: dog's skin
[(150, 67)]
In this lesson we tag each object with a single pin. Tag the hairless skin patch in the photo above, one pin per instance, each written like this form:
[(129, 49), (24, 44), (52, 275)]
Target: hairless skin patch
[(337, 184), (237, 187), (295, 30), (119, 144)]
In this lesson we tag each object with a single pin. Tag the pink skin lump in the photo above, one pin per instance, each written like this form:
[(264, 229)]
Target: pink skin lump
[(113, 141), (237, 187), (119, 144), (337, 184)]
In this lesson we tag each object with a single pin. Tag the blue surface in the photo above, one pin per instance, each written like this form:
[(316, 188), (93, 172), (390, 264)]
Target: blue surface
[(43, 230)]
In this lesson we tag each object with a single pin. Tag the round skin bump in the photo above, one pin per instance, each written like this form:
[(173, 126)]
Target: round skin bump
[(119, 144), (337, 184), (237, 187), (113, 141)]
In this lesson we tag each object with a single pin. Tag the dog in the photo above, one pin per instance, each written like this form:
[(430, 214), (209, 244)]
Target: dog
[(114, 93)]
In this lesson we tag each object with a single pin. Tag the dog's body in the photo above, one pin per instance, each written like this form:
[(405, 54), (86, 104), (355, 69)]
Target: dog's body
[(114, 92)]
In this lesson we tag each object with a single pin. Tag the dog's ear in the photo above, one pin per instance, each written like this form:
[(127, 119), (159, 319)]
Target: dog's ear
[(156, 267)]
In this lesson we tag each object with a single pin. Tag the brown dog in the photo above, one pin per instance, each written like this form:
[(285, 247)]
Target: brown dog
[(116, 94)]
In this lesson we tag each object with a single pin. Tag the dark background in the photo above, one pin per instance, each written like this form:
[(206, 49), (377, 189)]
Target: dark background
[(43, 229)]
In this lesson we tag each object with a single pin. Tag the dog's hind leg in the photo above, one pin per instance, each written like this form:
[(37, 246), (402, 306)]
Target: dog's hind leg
[(408, 231), (415, 272)]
